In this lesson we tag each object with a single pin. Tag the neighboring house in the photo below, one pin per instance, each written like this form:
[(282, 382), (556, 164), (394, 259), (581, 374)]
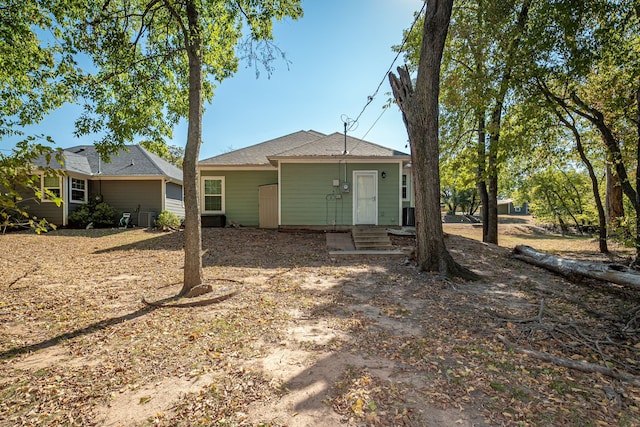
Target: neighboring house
[(306, 180), (134, 180), (508, 207)]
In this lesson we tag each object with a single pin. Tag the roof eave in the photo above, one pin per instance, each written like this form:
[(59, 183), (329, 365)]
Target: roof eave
[(404, 159), (230, 166)]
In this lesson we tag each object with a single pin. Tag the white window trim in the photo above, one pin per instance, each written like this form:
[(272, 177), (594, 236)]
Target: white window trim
[(43, 189), (208, 178), (71, 190), (407, 197)]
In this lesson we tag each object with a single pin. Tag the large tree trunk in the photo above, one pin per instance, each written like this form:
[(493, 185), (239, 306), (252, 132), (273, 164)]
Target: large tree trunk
[(193, 233), (420, 114)]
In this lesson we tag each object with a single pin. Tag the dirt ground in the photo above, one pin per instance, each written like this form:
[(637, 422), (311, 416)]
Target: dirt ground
[(309, 339)]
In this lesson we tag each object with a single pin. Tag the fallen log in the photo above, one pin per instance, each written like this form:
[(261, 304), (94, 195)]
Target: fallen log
[(608, 272)]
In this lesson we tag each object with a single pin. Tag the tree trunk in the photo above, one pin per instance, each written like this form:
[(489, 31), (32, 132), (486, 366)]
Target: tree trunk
[(193, 233), (637, 259), (492, 208), (494, 125), (481, 178), (613, 147), (608, 272), (420, 114), (602, 220), (615, 207), (570, 123)]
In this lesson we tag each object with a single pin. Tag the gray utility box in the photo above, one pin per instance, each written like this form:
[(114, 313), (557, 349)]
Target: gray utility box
[(146, 219)]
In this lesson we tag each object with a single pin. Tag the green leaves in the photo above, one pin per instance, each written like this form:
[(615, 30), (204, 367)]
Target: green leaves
[(21, 184), (36, 74)]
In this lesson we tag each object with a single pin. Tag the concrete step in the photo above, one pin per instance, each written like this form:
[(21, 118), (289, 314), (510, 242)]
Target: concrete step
[(371, 238)]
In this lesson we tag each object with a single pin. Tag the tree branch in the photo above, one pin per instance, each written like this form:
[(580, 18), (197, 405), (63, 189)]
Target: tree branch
[(573, 364)]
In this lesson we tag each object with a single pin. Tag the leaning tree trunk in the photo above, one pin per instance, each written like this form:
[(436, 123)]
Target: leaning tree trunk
[(420, 113), (193, 233), (602, 220), (570, 123)]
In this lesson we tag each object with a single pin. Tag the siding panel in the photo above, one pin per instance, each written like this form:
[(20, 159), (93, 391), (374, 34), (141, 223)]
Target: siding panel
[(126, 196), (241, 194), (310, 199), (41, 209), (173, 199)]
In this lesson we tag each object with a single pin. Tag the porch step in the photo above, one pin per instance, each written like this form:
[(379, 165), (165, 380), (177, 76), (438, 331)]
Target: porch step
[(371, 239)]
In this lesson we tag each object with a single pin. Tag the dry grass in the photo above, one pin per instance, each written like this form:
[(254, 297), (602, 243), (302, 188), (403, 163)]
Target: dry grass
[(309, 340), (523, 230)]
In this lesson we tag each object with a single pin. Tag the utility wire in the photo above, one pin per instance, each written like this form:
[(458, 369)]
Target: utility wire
[(384, 110), (400, 50)]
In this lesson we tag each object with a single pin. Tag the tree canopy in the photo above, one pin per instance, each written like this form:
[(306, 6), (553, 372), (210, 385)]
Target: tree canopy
[(145, 65), (498, 59)]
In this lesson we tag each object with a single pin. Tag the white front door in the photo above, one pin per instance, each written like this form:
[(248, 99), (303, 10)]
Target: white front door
[(365, 197)]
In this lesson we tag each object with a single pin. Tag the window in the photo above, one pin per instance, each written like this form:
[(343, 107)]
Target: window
[(405, 187), (50, 184), (78, 190), (213, 194)]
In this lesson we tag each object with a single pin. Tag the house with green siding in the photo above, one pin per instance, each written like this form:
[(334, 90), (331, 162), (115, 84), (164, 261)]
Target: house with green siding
[(306, 180)]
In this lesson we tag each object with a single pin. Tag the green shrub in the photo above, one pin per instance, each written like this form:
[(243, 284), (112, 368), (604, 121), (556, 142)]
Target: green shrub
[(100, 214), (81, 217), (104, 215), (167, 219)]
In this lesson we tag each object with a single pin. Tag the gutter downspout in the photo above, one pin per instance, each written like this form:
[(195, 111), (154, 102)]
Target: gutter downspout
[(163, 194), (279, 193), (65, 199), (401, 201)]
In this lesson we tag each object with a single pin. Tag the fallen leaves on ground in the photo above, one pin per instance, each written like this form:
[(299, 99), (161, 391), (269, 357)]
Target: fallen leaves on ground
[(75, 336)]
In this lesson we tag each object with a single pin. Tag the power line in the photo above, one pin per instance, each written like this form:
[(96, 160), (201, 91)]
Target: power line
[(384, 110), (370, 98)]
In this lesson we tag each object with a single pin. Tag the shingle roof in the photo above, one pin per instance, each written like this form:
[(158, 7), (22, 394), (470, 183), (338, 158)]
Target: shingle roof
[(257, 155), (133, 160), (334, 145), (72, 162), (301, 144)]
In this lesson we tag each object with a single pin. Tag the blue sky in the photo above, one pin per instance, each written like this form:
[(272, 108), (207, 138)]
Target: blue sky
[(339, 53)]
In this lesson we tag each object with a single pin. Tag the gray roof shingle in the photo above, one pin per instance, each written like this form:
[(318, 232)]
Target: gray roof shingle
[(73, 163), (301, 144), (133, 161), (257, 155), (334, 145)]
